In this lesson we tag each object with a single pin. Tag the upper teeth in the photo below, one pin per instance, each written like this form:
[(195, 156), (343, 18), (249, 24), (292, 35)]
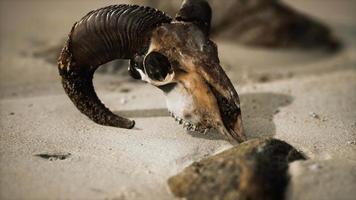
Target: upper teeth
[(189, 126)]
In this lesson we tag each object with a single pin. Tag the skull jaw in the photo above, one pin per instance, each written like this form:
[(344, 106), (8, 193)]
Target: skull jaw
[(183, 109), (193, 105), (236, 134)]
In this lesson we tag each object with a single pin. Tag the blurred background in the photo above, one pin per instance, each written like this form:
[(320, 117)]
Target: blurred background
[(255, 37), (291, 61)]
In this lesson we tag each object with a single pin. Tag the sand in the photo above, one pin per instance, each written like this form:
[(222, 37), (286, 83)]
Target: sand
[(306, 98)]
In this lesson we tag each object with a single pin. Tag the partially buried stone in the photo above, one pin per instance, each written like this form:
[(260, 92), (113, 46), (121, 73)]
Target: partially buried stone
[(256, 169)]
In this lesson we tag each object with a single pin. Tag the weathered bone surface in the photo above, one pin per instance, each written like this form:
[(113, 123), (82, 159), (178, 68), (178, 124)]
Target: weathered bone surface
[(114, 32), (177, 57), (203, 96), (267, 23), (256, 169)]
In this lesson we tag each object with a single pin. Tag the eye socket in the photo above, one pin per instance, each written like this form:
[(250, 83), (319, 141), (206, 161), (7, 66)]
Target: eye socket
[(157, 66)]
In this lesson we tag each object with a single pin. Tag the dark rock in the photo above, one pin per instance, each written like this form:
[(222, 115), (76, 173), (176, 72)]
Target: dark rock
[(256, 169), (53, 156), (266, 23)]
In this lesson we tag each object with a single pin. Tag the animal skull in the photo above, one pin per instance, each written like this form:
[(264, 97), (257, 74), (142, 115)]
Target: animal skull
[(177, 56), (179, 61)]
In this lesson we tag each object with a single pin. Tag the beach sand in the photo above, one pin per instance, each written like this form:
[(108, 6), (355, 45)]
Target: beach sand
[(49, 150)]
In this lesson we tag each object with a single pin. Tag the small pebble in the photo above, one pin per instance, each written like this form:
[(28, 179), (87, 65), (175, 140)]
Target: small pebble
[(351, 142), (12, 113), (125, 90), (264, 78), (313, 115), (315, 167)]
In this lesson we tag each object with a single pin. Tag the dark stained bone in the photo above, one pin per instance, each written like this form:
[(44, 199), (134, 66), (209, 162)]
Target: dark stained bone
[(113, 32), (195, 61)]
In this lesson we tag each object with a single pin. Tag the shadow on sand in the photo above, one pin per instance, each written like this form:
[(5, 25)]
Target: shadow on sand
[(258, 110), (143, 113)]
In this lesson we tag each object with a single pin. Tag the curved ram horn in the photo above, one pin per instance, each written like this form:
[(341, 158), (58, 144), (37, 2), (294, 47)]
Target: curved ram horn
[(197, 12), (113, 32)]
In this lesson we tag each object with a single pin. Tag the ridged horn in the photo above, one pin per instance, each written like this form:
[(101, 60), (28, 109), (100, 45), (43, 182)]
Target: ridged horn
[(113, 32)]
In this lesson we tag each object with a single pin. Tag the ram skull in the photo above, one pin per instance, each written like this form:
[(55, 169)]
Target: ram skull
[(176, 56)]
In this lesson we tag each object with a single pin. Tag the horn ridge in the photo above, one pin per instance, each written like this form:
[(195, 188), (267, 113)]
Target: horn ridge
[(124, 29), (105, 34)]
